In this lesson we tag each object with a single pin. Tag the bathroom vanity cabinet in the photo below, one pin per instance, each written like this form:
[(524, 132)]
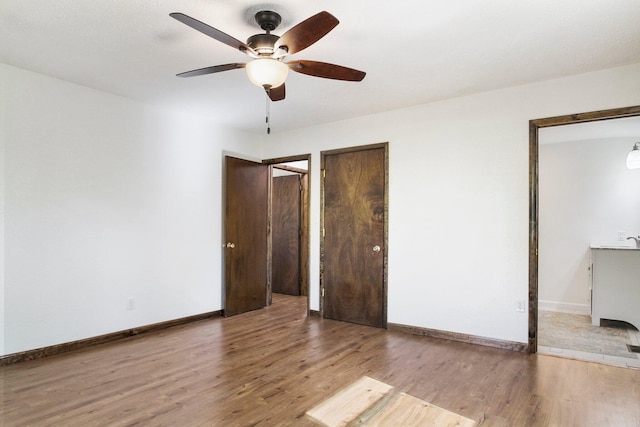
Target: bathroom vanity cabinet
[(615, 278)]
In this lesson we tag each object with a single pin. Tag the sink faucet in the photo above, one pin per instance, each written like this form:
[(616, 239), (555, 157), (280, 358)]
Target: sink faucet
[(637, 239)]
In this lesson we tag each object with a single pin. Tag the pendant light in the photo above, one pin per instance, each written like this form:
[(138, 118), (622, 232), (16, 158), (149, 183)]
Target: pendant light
[(633, 158)]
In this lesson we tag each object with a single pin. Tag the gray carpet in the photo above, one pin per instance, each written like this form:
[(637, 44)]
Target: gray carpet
[(575, 332)]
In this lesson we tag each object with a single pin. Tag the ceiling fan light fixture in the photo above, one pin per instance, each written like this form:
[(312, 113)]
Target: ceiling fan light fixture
[(267, 72), (266, 69), (633, 158)]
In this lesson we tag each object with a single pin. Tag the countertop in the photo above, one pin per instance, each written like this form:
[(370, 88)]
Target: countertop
[(611, 247)]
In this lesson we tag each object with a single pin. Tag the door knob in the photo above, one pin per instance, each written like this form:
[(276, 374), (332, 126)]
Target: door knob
[(376, 248), (231, 245)]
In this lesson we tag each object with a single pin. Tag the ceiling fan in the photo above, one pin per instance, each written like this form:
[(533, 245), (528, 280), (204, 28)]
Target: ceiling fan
[(267, 68)]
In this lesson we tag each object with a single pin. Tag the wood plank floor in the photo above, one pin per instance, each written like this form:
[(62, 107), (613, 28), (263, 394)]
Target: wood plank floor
[(268, 367)]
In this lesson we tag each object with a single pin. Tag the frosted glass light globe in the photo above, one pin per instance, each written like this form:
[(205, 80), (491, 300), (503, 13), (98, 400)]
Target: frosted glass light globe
[(267, 72)]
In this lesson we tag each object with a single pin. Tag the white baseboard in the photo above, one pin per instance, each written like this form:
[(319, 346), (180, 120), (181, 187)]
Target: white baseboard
[(564, 307)]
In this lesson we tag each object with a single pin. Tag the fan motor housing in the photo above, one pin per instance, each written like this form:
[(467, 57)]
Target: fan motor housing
[(262, 43)]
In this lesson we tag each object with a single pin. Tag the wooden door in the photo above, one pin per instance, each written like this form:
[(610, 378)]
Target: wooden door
[(354, 243), (285, 214), (245, 253)]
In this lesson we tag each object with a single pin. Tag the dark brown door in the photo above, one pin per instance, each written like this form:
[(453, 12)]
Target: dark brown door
[(285, 213), (353, 277), (245, 253)]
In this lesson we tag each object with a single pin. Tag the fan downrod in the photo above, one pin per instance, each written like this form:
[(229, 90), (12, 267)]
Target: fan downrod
[(263, 43)]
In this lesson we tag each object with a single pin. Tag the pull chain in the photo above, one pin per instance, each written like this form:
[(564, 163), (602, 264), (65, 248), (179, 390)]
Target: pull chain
[(267, 119)]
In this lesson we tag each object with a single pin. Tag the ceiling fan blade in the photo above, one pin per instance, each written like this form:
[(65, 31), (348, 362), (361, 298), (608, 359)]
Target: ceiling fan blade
[(276, 93), (213, 33), (307, 32), (326, 70), (211, 70)]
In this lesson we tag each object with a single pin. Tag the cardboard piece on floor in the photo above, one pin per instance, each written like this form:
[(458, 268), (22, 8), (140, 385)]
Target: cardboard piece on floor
[(349, 403), (409, 411)]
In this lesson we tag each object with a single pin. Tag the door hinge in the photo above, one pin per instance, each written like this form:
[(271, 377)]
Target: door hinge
[(322, 292), (323, 234), (324, 173)]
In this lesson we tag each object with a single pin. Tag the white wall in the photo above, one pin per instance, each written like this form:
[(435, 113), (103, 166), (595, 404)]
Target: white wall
[(458, 204), (587, 195), (105, 199)]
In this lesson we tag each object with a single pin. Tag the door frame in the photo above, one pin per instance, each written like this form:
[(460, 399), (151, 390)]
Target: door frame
[(305, 243), (534, 126), (385, 244)]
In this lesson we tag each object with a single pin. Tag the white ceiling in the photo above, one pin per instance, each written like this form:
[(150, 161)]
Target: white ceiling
[(627, 127), (414, 51)]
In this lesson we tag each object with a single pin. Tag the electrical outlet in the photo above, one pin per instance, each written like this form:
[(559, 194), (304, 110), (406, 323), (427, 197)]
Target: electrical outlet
[(520, 306), (131, 304), (622, 236)]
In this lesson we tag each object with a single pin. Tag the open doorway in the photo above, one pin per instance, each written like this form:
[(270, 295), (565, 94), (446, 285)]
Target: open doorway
[(289, 228), (589, 200), (535, 158), (249, 233)]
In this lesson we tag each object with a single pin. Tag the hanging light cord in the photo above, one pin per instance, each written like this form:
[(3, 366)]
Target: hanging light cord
[(268, 118)]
